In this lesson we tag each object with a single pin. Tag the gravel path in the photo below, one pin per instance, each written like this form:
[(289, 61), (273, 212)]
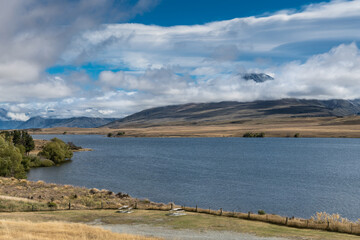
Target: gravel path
[(175, 234)]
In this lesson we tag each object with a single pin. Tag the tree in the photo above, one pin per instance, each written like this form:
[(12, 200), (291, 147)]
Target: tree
[(20, 138), (57, 151), (10, 160)]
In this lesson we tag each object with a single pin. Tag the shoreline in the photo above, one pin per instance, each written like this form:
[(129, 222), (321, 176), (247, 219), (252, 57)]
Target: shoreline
[(25, 193), (325, 127)]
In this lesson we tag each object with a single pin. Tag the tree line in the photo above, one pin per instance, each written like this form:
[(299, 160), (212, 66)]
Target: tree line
[(15, 160)]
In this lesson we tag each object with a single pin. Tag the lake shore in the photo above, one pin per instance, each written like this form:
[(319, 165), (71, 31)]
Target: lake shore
[(325, 127), (53, 202)]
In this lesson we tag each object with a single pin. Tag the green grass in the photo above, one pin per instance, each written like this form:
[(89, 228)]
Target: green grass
[(193, 221)]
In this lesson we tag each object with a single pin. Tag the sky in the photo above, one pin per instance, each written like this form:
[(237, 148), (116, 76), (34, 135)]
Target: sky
[(112, 58)]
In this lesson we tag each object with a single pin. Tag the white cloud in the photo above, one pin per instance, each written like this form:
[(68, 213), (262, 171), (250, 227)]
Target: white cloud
[(309, 53), (18, 116), (35, 33)]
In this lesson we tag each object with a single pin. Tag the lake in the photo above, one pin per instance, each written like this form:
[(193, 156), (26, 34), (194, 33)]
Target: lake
[(285, 176)]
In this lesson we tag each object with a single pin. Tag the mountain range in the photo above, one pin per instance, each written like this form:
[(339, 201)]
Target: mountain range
[(40, 122), (233, 112), (200, 113)]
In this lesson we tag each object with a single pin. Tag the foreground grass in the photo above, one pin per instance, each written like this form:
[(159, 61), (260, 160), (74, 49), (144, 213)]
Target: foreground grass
[(193, 221), (11, 230)]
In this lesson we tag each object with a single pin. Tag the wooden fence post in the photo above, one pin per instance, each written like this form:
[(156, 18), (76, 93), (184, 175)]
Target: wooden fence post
[(249, 215), (136, 205), (196, 208), (69, 205), (221, 211), (171, 206), (286, 221), (328, 225), (32, 207)]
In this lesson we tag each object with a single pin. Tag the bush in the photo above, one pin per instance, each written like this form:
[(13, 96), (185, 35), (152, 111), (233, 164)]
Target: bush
[(56, 151), (297, 135), (52, 205), (253, 135), (109, 135), (46, 163), (261, 212)]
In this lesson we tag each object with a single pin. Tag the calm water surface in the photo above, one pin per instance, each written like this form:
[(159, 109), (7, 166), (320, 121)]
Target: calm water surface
[(286, 176)]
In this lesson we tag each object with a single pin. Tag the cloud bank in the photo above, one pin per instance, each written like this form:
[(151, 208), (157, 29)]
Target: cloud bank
[(311, 53)]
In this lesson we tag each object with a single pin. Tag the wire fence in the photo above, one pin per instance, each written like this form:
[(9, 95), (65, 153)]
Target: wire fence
[(333, 226)]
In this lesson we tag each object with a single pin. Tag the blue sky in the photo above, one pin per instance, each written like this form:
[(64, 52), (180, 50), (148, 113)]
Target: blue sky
[(113, 58), (190, 12)]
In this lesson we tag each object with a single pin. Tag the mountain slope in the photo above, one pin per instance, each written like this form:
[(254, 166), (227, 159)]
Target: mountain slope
[(79, 122), (203, 113)]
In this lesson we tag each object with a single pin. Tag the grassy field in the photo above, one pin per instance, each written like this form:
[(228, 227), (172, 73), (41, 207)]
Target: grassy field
[(15, 230), (193, 221), (272, 127)]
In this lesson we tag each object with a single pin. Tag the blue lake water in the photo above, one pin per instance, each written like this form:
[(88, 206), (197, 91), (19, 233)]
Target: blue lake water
[(286, 176)]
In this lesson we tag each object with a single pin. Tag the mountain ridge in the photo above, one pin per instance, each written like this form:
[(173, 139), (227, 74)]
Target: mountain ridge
[(229, 111), (40, 122)]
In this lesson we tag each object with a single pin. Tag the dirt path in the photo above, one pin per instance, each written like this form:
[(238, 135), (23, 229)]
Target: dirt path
[(177, 234)]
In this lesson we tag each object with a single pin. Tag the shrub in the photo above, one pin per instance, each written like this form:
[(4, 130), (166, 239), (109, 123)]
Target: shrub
[(46, 163), (120, 134), (109, 135), (252, 135), (261, 212), (52, 205), (56, 151), (297, 135)]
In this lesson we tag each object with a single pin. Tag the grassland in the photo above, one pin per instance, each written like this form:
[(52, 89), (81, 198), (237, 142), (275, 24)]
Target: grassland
[(272, 127), (14, 230), (192, 221)]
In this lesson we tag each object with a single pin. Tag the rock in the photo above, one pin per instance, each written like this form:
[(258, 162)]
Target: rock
[(122, 195)]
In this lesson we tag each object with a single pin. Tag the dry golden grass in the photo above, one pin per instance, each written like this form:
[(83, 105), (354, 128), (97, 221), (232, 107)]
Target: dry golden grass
[(11, 230), (272, 127)]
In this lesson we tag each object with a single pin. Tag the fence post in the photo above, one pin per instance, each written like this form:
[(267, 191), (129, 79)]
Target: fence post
[(249, 215), (101, 205), (136, 205), (328, 225), (196, 208), (286, 221), (221, 211), (32, 207), (171, 206), (307, 223), (209, 211), (69, 205)]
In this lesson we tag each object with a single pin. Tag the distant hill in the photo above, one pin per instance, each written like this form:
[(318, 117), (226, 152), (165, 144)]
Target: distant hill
[(39, 122), (79, 122), (6, 122), (233, 112)]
